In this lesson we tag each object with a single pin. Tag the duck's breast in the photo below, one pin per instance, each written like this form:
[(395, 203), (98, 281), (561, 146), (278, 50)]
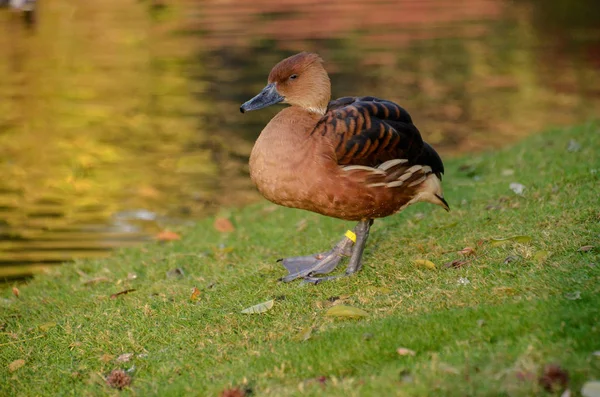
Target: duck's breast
[(285, 158)]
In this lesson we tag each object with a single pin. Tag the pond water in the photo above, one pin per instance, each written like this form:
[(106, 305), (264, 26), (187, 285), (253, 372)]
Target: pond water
[(119, 118)]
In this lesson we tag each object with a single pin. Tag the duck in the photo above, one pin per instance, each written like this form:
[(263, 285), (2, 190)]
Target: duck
[(353, 158)]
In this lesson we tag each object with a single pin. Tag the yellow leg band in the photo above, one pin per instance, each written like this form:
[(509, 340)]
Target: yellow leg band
[(351, 235)]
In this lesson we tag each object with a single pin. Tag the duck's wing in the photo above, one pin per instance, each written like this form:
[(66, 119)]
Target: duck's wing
[(370, 131)]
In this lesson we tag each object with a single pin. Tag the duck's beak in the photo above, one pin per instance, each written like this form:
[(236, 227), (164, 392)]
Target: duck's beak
[(267, 97)]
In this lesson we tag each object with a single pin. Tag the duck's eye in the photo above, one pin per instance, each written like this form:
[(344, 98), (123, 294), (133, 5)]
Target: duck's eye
[(293, 77)]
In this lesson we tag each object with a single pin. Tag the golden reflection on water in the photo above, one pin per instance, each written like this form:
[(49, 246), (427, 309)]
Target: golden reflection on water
[(118, 118)]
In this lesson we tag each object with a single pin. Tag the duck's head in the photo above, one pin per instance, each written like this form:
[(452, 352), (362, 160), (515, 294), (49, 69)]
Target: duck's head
[(299, 80)]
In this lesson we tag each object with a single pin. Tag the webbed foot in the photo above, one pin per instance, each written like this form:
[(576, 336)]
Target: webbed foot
[(307, 266)]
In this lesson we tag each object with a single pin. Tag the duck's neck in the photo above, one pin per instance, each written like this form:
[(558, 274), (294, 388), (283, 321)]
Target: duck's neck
[(291, 126), (281, 140), (317, 110)]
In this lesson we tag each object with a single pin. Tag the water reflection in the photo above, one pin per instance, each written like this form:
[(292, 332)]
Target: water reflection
[(118, 118)]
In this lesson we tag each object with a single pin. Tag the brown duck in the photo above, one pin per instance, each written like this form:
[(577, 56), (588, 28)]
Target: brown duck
[(354, 158)]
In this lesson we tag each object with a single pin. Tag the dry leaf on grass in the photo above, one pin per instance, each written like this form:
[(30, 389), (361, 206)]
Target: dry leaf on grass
[(494, 242), (541, 256), (125, 292), (167, 235), (403, 351), (16, 291), (467, 251), (345, 311), (586, 248), (457, 263), (260, 308), (195, 294), (125, 357), (15, 365), (424, 262), (235, 392), (118, 379), (448, 226), (47, 326), (554, 378), (223, 225), (304, 334)]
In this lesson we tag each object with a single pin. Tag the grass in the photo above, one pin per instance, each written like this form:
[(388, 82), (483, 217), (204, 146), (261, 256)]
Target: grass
[(525, 305)]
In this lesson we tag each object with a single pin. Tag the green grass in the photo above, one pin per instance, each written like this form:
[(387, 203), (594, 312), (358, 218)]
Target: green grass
[(492, 336)]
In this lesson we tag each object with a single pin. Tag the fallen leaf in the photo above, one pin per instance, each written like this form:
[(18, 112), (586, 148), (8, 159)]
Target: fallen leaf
[(125, 292), (585, 248), (467, 251), (167, 235), (403, 351), (517, 188), (424, 262), (125, 357), (541, 256), (494, 242), (448, 226), (457, 263), (47, 326), (106, 358), (553, 378), (346, 311), (223, 225), (195, 294), (260, 308), (235, 392), (16, 291), (118, 379), (304, 334), (591, 389), (15, 365)]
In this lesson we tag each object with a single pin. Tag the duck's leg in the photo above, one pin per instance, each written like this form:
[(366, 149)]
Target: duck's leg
[(307, 266), (362, 234), (323, 263)]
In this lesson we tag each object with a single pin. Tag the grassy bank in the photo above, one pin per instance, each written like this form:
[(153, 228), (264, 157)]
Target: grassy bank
[(486, 326)]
